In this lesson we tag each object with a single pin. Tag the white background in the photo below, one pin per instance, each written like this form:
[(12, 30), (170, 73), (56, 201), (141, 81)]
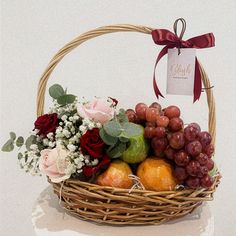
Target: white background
[(118, 65)]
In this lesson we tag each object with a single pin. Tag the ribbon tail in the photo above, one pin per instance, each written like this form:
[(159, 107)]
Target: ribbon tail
[(155, 87), (197, 90)]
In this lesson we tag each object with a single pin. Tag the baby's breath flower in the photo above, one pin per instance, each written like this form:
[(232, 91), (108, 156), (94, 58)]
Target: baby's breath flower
[(66, 133), (90, 125), (76, 117), (64, 117), (45, 142), (83, 129), (98, 125), (51, 144), (94, 162), (34, 147), (71, 147)]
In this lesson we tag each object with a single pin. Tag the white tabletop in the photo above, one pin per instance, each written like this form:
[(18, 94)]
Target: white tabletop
[(49, 218)]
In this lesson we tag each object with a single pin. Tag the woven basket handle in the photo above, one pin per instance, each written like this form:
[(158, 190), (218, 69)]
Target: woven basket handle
[(111, 29)]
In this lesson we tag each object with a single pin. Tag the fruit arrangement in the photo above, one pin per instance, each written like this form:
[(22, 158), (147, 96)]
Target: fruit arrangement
[(96, 142), (187, 149)]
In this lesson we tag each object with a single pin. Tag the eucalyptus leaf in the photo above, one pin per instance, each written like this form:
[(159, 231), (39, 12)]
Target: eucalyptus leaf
[(40, 146), (56, 91), (8, 146), (117, 151), (121, 117), (213, 171), (66, 99), (29, 141), (123, 139), (13, 135), (19, 141), (107, 139), (20, 155), (112, 146), (131, 130), (113, 128)]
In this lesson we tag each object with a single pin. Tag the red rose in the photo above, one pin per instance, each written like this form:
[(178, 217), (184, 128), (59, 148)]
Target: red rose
[(91, 170), (91, 144), (46, 124)]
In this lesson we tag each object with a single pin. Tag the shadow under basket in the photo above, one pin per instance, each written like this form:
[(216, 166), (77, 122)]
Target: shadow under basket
[(108, 205)]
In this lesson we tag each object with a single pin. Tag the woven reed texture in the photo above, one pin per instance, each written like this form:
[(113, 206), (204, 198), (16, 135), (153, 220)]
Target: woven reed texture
[(119, 206), (116, 206)]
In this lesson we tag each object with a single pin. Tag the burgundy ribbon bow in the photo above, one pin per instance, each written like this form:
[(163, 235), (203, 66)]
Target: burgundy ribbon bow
[(171, 40)]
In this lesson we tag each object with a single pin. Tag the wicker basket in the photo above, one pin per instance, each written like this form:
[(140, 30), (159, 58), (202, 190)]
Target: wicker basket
[(120, 206)]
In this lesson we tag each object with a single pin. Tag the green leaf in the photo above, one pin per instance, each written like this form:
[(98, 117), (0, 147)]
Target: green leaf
[(107, 139), (40, 146), (123, 139), (19, 156), (56, 91), (131, 130), (122, 116), (66, 99), (29, 141), (213, 171), (8, 146), (113, 128), (13, 135), (117, 151), (19, 141)]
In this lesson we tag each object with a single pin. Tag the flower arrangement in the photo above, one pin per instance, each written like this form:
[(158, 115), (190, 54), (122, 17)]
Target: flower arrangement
[(81, 140)]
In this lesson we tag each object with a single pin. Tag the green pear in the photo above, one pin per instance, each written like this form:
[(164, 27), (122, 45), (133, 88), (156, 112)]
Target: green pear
[(137, 150)]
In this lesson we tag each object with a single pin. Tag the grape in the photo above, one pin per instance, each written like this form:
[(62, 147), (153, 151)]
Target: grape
[(193, 182), (204, 138), (140, 121), (181, 158), (191, 131), (202, 158), (193, 168), (202, 171), (156, 105), (140, 109), (194, 148), (159, 132), (172, 111), (180, 173), (207, 181), (130, 113), (149, 132), (150, 124), (210, 164), (175, 124), (169, 153), (158, 153), (209, 150), (196, 126), (159, 144), (176, 140), (162, 121), (151, 114)]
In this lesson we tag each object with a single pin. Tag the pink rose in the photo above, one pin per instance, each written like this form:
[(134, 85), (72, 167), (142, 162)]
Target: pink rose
[(98, 110), (53, 162)]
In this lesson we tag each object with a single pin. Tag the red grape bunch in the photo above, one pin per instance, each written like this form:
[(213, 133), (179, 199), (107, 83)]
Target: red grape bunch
[(188, 149)]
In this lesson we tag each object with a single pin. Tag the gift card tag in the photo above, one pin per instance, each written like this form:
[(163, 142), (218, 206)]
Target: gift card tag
[(181, 71)]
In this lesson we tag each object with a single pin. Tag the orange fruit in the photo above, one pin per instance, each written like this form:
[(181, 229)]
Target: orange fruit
[(117, 175), (156, 174)]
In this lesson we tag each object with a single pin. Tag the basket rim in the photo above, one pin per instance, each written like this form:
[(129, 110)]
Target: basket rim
[(95, 186)]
